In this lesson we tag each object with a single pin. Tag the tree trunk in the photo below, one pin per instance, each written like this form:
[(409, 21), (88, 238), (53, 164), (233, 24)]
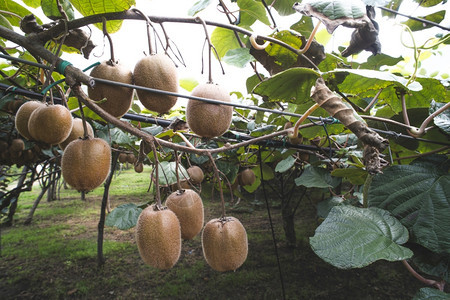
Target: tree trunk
[(35, 205), (15, 196)]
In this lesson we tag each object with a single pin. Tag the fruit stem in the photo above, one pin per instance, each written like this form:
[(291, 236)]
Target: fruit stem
[(305, 115), (216, 175), (85, 130), (149, 24), (111, 47), (158, 193), (177, 174), (210, 48), (185, 140)]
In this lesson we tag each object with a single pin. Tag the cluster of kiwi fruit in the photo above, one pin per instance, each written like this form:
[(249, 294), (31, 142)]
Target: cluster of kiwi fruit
[(49, 124), (156, 71), (15, 152), (160, 231)]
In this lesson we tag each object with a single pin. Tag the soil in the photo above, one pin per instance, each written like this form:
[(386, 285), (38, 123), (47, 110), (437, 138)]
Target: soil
[(124, 276)]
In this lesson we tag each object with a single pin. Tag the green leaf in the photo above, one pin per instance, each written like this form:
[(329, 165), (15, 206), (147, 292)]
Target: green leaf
[(268, 173), (359, 81), (352, 237), (32, 3), (431, 263), (188, 83), (375, 62), (305, 26), (419, 196), (283, 56), (443, 119), (5, 23), (198, 7), (356, 176), (436, 17), (10, 5), (224, 40), (93, 7), (431, 89), (429, 3), (317, 177), (250, 11), (292, 85), (238, 57), (263, 130), (324, 207), (336, 9), (124, 216), (284, 7), (285, 164), (167, 172), (50, 9), (252, 81), (430, 294)]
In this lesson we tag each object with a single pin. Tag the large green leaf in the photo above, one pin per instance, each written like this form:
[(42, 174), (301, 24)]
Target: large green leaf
[(356, 176), (305, 26), (443, 119), (5, 23), (431, 263), (224, 40), (429, 3), (431, 294), (198, 7), (284, 7), (250, 11), (352, 237), (167, 172), (124, 216), (32, 3), (436, 17), (50, 9), (93, 7), (11, 6), (317, 177), (358, 81), (375, 62), (419, 196), (336, 9), (292, 85)]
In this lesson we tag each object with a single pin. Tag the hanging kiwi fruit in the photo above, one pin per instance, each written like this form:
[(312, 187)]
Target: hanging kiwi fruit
[(158, 237), (118, 98), (156, 71), (77, 132), (86, 163), (207, 119), (246, 177), (188, 207), (50, 124), (224, 244), (196, 174)]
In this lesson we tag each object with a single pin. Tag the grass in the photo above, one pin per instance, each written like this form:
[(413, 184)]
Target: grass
[(56, 257)]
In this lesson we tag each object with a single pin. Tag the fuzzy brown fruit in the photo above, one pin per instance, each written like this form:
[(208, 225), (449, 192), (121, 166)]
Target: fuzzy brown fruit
[(195, 174), (158, 72), (224, 243), (122, 158), (77, 132), (131, 158), (23, 115), (118, 98), (158, 237), (139, 168), (86, 163), (188, 206), (17, 145), (50, 124), (247, 177), (206, 119)]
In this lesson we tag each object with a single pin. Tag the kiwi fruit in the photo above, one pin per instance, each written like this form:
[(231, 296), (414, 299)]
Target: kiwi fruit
[(195, 174), (23, 115), (247, 177), (118, 98), (224, 243), (3, 146), (86, 163), (206, 119), (122, 158), (131, 158), (188, 206), (17, 145), (139, 167), (158, 237), (77, 132), (50, 124), (156, 71)]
